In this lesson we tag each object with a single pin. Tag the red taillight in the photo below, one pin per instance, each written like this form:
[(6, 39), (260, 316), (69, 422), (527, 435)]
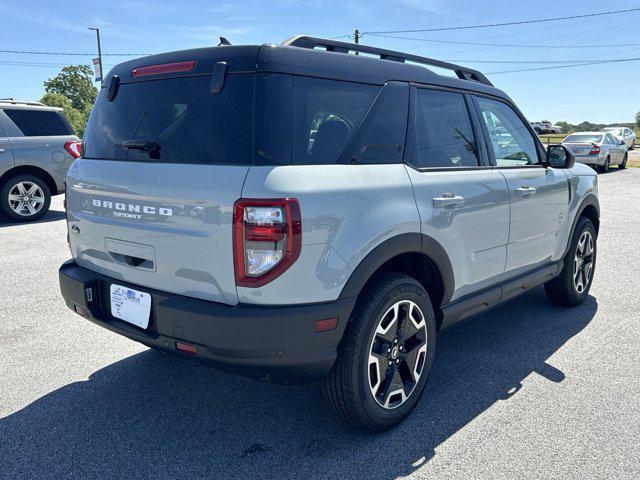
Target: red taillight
[(74, 147), (267, 239), (594, 150), (164, 68)]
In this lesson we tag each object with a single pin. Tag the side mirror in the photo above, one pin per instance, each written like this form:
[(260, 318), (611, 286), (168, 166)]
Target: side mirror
[(559, 156)]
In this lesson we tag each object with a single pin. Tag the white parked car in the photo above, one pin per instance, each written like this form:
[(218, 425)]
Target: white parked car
[(624, 134)]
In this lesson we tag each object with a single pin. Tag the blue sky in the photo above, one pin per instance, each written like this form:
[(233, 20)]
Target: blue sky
[(599, 93)]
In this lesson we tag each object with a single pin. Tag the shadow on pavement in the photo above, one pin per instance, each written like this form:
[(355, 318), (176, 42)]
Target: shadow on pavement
[(51, 216), (152, 415)]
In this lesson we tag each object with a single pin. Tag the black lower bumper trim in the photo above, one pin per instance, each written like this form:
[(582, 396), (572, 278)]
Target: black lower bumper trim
[(279, 343)]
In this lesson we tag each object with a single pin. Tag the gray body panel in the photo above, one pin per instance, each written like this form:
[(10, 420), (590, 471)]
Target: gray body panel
[(184, 235), (474, 232)]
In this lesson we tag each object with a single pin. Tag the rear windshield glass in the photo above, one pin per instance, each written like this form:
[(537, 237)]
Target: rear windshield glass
[(176, 120), (583, 139), (39, 123)]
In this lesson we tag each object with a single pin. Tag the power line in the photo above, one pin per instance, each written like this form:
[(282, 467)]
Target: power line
[(617, 60), (504, 24), (25, 52), (504, 44)]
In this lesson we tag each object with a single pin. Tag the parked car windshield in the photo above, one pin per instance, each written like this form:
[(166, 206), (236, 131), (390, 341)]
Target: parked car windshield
[(578, 138), (176, 120)]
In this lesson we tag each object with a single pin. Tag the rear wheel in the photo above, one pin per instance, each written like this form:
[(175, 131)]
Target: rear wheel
[(386, 354), (572, 286), (24, 198), (623, 165), (607, 163)]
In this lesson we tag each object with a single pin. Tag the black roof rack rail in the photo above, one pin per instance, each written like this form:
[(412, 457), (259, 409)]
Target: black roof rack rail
[(305, 41)]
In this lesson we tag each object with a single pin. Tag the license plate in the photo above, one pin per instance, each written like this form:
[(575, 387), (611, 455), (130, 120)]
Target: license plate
[(130, 305)]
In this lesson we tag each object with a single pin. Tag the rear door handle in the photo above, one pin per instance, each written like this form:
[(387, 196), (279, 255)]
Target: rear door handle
[(447, 200), (525, 191)]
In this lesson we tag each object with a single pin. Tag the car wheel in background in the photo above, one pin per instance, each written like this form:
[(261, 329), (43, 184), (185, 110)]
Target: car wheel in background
[(605, 168), (623, 165), (633, 145), (24, 198), (385, 356)]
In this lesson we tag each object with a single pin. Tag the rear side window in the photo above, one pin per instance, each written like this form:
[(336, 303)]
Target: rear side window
[(443, 132), (326, 114), (39, 123), (176, 120), (381, 136)]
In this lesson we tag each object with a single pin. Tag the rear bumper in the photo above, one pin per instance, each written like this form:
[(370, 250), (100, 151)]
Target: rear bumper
[(278, 343), (590, 160)]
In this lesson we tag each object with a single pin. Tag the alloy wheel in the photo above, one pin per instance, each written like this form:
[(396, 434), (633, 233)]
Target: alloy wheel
[(397, 354), (583, 262), (26, 198)]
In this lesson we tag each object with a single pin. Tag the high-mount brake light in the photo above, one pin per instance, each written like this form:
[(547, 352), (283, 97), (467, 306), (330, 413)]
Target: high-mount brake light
[(267, 239), (74, 147), (164, 68), (594, 150)]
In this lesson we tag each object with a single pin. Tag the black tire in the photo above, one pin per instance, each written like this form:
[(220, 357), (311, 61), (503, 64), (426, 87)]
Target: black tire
[(347, 388), (605, 167), (562, 289), (633, 145), (623, 165), (44, 199)]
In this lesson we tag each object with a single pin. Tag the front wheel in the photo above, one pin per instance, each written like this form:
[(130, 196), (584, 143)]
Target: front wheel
[(385, 356), (572, 286), (24, 198)]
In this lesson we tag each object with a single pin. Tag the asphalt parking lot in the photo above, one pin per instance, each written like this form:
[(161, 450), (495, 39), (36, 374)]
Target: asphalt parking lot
[(529, 390)]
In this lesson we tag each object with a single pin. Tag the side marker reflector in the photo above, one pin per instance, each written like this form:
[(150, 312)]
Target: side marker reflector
[(186, 348), (326, 324)]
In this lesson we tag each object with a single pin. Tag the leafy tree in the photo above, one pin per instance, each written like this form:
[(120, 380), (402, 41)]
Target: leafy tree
[(76, 83), (638, 119)]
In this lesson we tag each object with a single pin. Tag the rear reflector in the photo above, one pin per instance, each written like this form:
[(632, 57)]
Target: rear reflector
[(186, 348), (164, 68), (326, 324)]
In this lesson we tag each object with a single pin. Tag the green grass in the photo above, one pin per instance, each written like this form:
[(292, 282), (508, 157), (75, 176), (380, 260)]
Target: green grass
[(552, 138)]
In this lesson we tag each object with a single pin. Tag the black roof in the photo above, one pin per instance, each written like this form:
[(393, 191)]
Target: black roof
[(298, 56)]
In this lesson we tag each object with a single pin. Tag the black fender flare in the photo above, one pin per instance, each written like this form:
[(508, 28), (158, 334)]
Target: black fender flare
[(589, 200), (398, 245)]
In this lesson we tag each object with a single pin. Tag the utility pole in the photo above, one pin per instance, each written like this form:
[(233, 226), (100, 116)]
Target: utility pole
[(97, 30), (356, 36)]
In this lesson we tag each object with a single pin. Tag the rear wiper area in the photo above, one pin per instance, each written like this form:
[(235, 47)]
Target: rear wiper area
[(144, 145)]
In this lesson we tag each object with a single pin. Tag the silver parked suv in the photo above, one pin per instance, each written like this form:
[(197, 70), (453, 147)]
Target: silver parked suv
[(295, 212), (37, 146)]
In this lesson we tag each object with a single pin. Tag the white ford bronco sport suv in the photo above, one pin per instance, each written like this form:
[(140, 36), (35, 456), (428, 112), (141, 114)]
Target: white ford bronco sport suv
[(296, 212)]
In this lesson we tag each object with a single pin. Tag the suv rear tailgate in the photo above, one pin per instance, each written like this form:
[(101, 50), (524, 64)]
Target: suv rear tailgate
[(162, 226)]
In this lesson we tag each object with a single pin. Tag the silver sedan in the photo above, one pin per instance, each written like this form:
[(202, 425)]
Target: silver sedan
[(598, 149)]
